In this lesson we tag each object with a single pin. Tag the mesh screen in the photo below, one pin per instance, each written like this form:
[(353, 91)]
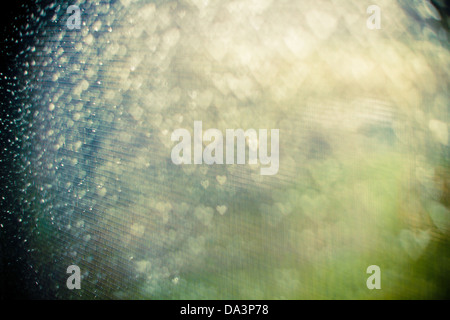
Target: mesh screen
[(363, 175)]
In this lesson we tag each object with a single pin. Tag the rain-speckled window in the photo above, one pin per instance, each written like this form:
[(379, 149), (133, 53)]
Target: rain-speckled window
[(225, 149)]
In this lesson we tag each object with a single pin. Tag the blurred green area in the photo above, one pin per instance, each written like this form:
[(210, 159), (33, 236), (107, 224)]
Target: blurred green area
[(322, 248)]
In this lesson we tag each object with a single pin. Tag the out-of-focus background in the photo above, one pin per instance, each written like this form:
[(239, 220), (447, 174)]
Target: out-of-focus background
[(87, 177)]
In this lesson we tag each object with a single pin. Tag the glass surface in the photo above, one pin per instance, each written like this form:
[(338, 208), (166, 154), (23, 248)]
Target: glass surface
[(358, 93)]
